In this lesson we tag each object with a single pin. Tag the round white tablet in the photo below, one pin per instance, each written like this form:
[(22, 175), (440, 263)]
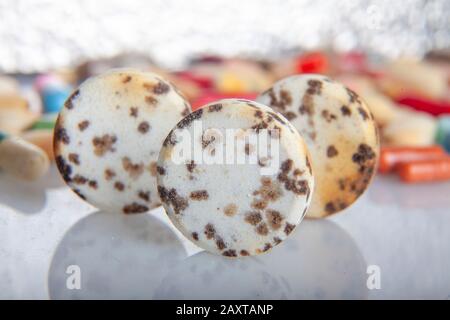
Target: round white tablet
[(235, 177), (108, 136), (340, 132)]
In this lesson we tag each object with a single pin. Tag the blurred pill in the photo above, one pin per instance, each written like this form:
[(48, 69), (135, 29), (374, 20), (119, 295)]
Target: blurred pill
[(22, 159), (443, 133), (214, 96), (242, 76), (48, 124), (53, 98), (430, 106), (425, 170), (391, 157), (43, 138), (202, 81), (53, 91), (47, 80), (410, 128), (417, 77), (8, 85), (15, 115), (313, 62)]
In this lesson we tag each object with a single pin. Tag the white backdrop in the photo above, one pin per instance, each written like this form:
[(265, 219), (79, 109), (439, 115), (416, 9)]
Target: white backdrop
[(40, 34)]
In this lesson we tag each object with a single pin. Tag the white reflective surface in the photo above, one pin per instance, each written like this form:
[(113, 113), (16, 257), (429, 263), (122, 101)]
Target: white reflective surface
[(45, 228)]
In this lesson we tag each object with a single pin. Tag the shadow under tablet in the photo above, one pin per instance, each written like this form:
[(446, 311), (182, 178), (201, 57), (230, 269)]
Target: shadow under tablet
[(119, 257), (319, 261)]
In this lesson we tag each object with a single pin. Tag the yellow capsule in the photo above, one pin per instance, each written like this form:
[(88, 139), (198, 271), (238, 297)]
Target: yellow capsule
[(21, 158)]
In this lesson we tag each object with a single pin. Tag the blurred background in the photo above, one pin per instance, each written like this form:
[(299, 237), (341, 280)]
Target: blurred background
[(395, 54), (45, 34)]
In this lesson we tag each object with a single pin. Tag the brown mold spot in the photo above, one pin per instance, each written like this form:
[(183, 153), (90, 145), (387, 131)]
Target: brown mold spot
[(119, 186), (353, 97), (244, 253), (300, 187), (280, 102), (69, 102), (207, 141), (331, 151), (191, 166), (263, 162), (93, 184), (267, 247), (199, 195), (262, 229), (315, 87), (230, 253), (274, 219), (328, 116), (160, 170), (186, 121), (64, 168), (258, 114), (134, 208), (363, 113), (253, 218), (144, 195), (151, 100), (346, 111), (269, 191), (74, 158), (330, 208), (171, 197), (104, 144), (220, 243), (161, 88), (307, 106), (134, 111), (194, 236), (260, 126), (61, 135), (288, 228), (259, 204), (289, 115), (109, 174), (363, 154), (230, 209), (209, 231), (286, 166), (126, 79), (276, 240), (79, 179), (83, 125), (143, 127), (215, 107), (134, 169)]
